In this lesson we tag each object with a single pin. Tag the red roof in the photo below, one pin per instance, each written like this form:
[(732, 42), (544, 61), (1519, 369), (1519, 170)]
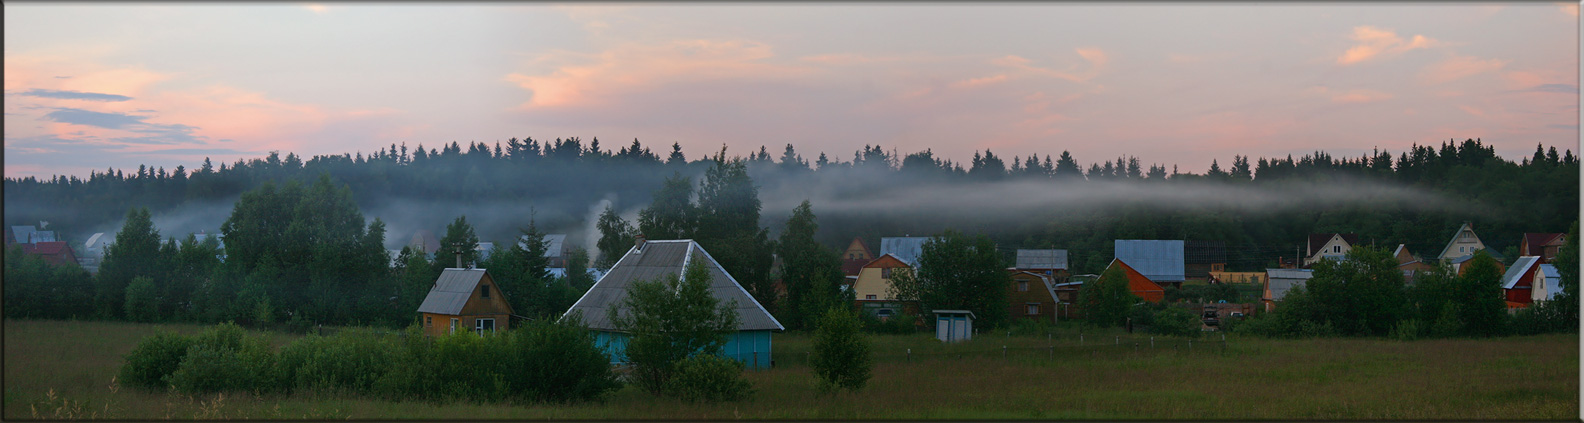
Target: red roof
[(1537, 241), (1141, 285), (852, 267), (55, 252)]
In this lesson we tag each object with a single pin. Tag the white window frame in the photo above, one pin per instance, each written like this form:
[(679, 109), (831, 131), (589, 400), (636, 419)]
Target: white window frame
[(869, 297), (478, 325), (454, 323)]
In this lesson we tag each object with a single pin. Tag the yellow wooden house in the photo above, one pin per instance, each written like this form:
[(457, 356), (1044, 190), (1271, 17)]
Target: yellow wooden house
[(464, 300)]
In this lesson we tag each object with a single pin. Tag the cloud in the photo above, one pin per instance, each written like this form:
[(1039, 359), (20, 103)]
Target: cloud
[(1555, 88), (1374, 42), (74, 95), (316, 8), (1570, 9), (1354, 96), (1096, 58), (977, 82), (92, 118), (1459, 67), (587, 79)]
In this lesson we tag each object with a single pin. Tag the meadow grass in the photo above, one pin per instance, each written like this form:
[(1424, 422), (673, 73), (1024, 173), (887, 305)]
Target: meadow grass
[(65, 369)]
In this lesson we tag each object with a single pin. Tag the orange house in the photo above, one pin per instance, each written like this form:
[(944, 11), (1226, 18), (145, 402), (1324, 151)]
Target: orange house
[(464, 299), (1139, 284)]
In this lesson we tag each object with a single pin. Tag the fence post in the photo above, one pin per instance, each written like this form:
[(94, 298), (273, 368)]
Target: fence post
[(1152, 342), (1080, 339), (1003, 352), (1190, 345), (1118, 340), (910, 355), (1052, 354)]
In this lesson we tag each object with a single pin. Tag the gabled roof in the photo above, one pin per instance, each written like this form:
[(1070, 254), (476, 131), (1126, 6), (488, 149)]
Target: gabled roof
[(858, 242), (42, 236), (1466, 225), (656, 260), (554, 244), (452, 290), (46, 248), (907, 249), (1553, 280), (1289, 273), (1319, 240), (885, 261), (1539, 240), (1159, 260), (1518, 271), (95, 239), (1050, 287), (1041, 259), (1139, 283), (425, 240), (23, 233)]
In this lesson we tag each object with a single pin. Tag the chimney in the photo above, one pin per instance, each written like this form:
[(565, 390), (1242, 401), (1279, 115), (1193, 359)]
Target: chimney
[(638, 242)]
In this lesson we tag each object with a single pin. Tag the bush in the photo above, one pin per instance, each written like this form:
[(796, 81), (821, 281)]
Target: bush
[(154, 358), (347, 362), (897, 324), (1177, 321), (1407, 330), (560, 363), (841, 354), (142, 302), (1449, 324), (709, 378), (215, 368)]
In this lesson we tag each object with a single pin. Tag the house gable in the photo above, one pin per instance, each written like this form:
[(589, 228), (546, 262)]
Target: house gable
[(459, 292), (1140, 284), (856, 250), (875, 278), (658, 259), (1464, 242)]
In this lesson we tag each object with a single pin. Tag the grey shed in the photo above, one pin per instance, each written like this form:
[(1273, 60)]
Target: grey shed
[(1042, 259), (907, 249), (1282, 280), (655, 260), (1158, 260)]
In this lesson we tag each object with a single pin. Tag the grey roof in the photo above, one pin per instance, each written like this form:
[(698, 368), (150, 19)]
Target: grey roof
[(93, 240), (658, 259), (1041, 259), (451, 291), (1158, 260), (1553, 280), (907, 249), (1283, 280), (42, 236), (554, 244), (1517, 271), (23, 233)]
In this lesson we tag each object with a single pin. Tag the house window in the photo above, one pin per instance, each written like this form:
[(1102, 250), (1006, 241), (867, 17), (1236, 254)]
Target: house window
[(484, 291), (482, 325), (869, 297), (1022, 286), (1033, 308), (885, 273), (454, 322), (1336, 248), (1462, 249), (428, 321)]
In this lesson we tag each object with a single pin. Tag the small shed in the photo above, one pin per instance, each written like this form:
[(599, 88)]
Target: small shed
[(464, 299), (953, 325)]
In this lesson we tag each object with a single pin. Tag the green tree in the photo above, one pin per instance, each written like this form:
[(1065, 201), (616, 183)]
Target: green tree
[(1106, 301), (136, 253), (1362, 295), (812, 272), (960, 273), (459, 238), (1482, 306), (616, 237), (728, 227), (669, 320), (840, 356), (671, 215)]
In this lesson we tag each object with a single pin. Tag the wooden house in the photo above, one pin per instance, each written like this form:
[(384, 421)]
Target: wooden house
[(54, 252), (1547, 283), (1543, 245), (652, 260), (1332, 246), (464, 299), (1050, 263), (1200, 258), (1138, 283), (1517, 281), (1031, 296), (1410, 265), (855, 257), (1279, 281), (872, 289), (1160, 261), (1464, 243)]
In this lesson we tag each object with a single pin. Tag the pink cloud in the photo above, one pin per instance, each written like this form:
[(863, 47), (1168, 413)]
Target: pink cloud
[(977, 82), (1373, 42), (1459, 67), (586, 79), (1096, 58), (1570, 9)]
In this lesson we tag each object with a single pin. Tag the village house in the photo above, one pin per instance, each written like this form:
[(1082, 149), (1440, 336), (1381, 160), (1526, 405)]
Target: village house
[(1279, 281), (1328, 246), (1161, 261), (94, 251), (1050, 263), (1410, 265), (855, 257), (1464, 243), (464, 299), (652, 260), (1516, 282), (1547, 283), (1139, 284), (1031, 296), (54, 252), (1543, 245), (872, 289), (1201, 258)]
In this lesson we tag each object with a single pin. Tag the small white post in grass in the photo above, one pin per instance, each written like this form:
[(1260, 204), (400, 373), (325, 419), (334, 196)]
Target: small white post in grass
[(1152, 342), (910, 355), (1118, 340)]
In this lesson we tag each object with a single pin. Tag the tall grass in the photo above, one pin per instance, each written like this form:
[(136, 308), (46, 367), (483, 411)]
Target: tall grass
[(1532, 377)]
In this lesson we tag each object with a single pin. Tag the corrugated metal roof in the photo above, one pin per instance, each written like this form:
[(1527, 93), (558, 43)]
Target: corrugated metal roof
[(1041, 259), (1519, 269), (23, 233), (42, 236), (657, 260), (92, 240), (451, 291), (554, 244), (1553, 281), (907, 249), (1282, 280), (1158, 260)]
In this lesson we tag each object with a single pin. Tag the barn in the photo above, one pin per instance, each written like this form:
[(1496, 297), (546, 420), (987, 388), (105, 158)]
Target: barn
[(651, 260), (464, 299)]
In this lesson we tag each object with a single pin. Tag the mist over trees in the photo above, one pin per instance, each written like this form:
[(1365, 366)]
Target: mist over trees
[(1260, 207)]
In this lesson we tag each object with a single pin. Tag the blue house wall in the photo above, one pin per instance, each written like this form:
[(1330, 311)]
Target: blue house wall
[(750, 347)]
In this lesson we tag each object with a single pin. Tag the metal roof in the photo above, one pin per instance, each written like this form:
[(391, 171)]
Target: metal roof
[(1282, 280), (1158, 260), (1519, 269), (656, 260), (23, 233), (97, 236), (1553, 280), (907, 249), (554, 244), (42, 236), (451, 291), (1041, 259)]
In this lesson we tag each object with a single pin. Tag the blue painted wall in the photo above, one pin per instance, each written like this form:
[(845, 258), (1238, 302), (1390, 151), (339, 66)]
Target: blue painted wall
[(750, 347)]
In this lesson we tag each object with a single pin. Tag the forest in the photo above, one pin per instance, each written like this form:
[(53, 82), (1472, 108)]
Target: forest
[(1261, 208)]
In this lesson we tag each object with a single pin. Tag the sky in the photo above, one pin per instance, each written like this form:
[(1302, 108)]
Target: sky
[(100, 85)]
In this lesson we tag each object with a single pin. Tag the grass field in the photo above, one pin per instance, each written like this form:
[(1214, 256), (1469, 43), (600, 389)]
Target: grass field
[(61, 369)]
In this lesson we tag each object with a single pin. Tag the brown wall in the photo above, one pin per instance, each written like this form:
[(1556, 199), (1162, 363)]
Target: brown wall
[(476, 307), (1018, 301)]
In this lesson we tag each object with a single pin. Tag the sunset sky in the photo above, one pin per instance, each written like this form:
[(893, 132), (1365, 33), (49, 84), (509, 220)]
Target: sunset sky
[(97, 85)]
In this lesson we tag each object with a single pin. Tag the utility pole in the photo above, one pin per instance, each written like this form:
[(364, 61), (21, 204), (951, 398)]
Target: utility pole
[(457, 248)]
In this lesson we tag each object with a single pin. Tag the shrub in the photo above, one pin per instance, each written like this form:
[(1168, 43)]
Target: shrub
[(1177, 321), (559, 362), (1449, 324), (709, 378), (841, 354), (154, 358), (213, 367), (1407, 330), (349, 361), (897, 324), (142, 302)]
